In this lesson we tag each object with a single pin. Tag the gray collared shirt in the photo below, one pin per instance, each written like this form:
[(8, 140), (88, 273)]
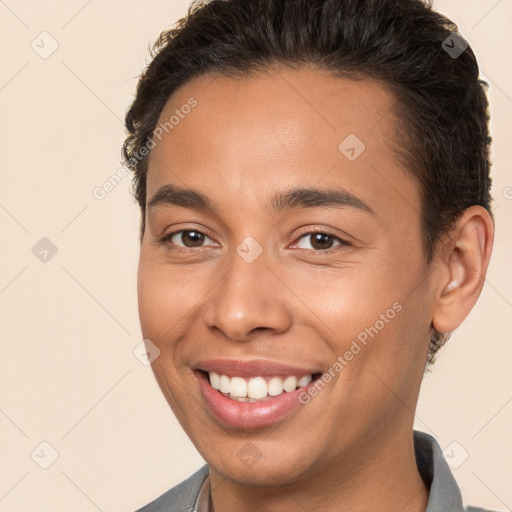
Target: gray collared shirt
[(192, 495)]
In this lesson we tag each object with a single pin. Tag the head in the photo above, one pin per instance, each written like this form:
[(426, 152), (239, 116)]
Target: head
[(259, 123)]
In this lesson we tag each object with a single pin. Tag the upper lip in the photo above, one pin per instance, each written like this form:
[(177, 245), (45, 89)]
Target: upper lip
[(252, 368)]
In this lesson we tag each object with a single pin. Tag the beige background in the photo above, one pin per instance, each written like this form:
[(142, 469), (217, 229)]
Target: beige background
[(68, 375)]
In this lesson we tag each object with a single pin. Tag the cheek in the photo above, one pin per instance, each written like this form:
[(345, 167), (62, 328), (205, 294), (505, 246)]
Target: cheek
[(171, 300), (348, 300), (391, 352), (153, 300), (165, 297), (370, 314)]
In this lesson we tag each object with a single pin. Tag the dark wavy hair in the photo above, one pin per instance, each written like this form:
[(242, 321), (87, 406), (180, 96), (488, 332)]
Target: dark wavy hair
[(441, 108)]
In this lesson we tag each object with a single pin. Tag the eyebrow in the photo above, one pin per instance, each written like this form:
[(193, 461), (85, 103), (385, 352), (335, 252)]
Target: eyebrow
[(299, 198)]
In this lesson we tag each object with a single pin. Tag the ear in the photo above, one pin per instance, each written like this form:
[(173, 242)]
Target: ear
[(464, 259)]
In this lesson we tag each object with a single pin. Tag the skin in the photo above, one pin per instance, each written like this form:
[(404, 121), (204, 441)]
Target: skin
[(351, 447)]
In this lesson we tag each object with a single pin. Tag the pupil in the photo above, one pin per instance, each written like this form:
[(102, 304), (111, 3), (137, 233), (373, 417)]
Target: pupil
[(322, 239), (192, 236)]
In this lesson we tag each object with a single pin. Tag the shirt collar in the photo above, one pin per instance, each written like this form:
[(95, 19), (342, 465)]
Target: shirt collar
[(444, 494), (202, 502)]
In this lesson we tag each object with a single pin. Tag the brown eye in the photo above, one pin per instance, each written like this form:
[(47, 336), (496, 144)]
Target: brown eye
[(188, 238), (319, 241)]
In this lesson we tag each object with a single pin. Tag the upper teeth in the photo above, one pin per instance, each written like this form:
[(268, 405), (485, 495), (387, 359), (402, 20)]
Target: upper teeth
[(256, 387)]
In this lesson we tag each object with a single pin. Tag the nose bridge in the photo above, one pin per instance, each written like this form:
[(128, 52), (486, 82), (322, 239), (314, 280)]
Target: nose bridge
[(247, 297)]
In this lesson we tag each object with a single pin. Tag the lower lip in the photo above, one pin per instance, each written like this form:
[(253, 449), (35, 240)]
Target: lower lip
[(248, 414)]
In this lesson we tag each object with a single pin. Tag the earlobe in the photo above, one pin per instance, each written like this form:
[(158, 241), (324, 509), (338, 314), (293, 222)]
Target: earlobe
[(463, 268)]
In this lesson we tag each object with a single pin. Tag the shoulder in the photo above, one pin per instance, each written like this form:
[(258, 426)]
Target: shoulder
[(476, 509), (179, 498)]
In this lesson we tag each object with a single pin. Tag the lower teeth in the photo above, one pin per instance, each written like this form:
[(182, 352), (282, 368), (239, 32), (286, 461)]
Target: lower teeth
[(245, 399)]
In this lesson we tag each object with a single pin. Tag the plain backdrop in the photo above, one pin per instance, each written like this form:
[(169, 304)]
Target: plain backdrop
[(73, 396)]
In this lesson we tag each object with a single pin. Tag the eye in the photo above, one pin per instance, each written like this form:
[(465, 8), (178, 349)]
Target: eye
[(319, 241), (193, 238), (188, 238)]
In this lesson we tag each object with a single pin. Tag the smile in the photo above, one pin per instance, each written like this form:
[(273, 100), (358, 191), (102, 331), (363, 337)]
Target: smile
[(252, 394)]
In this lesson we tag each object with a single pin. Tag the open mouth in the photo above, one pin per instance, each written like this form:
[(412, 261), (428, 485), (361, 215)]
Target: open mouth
[(252, 394), (257, 388)]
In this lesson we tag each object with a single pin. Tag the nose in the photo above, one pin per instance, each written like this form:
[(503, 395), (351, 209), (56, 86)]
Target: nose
[(248, 299)]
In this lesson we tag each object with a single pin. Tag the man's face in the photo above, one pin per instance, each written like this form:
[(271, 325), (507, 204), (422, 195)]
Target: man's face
[(263, 289)]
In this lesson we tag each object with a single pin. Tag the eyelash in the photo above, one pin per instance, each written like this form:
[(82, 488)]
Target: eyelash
[(343, 243)]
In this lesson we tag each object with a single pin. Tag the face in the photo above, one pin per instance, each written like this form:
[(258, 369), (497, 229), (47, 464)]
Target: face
[(283, 248)]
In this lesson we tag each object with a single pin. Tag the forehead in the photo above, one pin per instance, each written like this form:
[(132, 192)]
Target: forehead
[(270, 130)]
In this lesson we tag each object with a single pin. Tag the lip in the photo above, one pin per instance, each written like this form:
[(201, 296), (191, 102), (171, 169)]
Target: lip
[(254, 368), (248, 415)]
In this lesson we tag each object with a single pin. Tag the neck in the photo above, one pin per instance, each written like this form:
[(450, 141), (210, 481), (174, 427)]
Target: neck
[(382, 476)]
